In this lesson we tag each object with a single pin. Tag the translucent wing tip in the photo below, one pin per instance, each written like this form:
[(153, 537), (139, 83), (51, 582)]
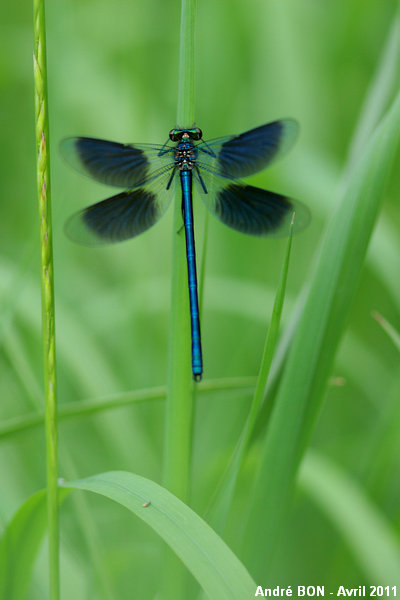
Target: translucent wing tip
[(77, 231), (289, 134), (68, 151), (71, 151)]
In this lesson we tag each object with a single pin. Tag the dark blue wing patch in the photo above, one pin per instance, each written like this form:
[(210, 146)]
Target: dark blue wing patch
[(258, 212), (120, 165), (118, 218), (253, 150)]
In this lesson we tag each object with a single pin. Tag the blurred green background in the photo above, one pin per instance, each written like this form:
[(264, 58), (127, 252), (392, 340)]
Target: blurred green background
[(113, 74)]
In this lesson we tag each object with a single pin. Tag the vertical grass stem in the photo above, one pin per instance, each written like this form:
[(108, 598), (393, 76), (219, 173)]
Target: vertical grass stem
[(179, 409), (179, 405), (48, 320)]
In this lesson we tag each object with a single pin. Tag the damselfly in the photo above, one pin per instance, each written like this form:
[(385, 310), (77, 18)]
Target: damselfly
[(148, 173)]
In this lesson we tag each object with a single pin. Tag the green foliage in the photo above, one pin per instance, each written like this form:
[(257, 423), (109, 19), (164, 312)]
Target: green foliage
[(113, 73), (19, 545), (364, 527), (221, 504), (208, 558), (309, 364)]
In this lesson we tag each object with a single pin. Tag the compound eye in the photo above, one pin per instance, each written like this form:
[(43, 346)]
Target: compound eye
[(198, 134), (173, 135), (195, 134)]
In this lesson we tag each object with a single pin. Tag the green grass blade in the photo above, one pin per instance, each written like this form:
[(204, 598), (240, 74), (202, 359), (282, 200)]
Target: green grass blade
[(91, 534), (179, 405), (212, 563), (365, 529), (48, 316), (86, 408), (221, 503), (304, 380), (380, 91), (185, 112), (19, 546), (272, 337), (179, 408)]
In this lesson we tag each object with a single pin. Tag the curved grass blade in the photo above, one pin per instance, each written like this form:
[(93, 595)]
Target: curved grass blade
[(205, 554)]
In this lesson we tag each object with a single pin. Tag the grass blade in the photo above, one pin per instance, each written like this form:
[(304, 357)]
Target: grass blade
[(206, 555), (19, 546), (86, 408), (179, 406), (179, 409), (223, 497), (304, 380)]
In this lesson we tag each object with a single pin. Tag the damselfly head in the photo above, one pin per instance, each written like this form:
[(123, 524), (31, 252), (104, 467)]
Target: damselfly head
[(175, 135)]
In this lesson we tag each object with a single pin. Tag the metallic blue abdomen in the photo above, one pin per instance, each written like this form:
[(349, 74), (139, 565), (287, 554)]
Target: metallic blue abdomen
[(187, 206)]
